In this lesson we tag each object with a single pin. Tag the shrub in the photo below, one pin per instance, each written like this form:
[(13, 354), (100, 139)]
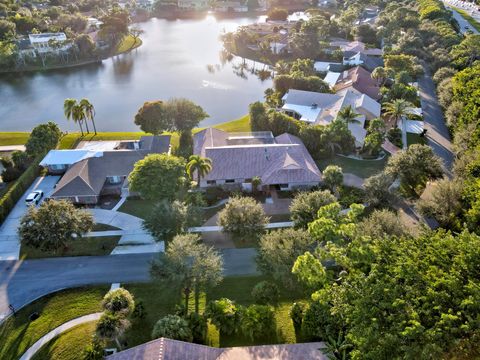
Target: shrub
[(395, 137), (172, 327), (305, 206), (224, 314), (265, 293), (198, 327), (296, 314), (139, 312), (258, 322), (119, 301)]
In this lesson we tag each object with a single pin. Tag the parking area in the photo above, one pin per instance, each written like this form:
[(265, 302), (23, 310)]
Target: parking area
[(9, 242)]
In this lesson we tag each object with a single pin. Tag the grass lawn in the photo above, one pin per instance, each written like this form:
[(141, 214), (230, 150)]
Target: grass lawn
[(104, 227), (87, 246), (137, 207), (467, 17), (69, 345), (128, 43), (415, 139), (361, 168), (161, 300), (13, 138), (17, 334)]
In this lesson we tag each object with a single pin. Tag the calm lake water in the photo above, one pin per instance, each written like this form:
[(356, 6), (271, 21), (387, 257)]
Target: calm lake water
[(177, 59)]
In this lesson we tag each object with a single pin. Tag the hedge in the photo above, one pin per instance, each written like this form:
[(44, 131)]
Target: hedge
[(11, 197)]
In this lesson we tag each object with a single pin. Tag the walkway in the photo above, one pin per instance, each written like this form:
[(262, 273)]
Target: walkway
[(215, 228), (9, 148), (437, 136), (57, 331), (21, 282)]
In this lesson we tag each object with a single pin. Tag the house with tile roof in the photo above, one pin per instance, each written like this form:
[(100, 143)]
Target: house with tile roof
[(356, 78), (322, 108), (167, 349), (90, 174), (282, 162)]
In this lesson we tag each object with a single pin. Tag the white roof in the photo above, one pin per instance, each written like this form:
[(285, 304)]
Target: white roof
[(308, 113), (68, 157), (332, 78), (414, 126), (99, 145), (322, 66), (46, 37)]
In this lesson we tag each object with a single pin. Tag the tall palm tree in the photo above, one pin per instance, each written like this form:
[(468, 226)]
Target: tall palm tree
[(348, 115), (397, 109), (199, 164), (73, 111), (379, 74), (89, 112)]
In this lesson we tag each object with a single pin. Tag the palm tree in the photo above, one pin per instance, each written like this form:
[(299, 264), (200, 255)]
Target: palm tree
[(256, 182), (397, 109), (199, 164), (111, 326), (379, 74), (348, 115), (89, 112), (73, 111)]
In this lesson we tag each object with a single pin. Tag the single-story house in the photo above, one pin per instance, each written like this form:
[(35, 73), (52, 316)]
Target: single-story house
[(282, 162), (89, 174), (167, 349), (356, 47), (356, 78), (322, 109), (42, 42)]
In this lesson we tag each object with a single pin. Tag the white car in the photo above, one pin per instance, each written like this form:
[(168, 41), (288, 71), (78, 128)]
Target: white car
[(34, 197)]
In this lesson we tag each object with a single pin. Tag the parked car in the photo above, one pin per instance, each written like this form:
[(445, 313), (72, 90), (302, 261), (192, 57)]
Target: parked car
[(34, 197)]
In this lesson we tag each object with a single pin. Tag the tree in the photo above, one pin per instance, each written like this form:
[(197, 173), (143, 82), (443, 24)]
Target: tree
[(44, 137), (305, 206), (348, 115), (467, 52), (380, 224), (153, 117), (276, 14), (380, 75), (443, 73), (199, 165), (265, 293), (377, 190), (243, 217), (310, 270), (397, 109), (185, 114), (189, 264), (278, 251), (110, 327), (415, 166), (119, 302), (333, 177), (256, 182), (444, 203), (53, 225), (172, 327), (7, 30), (366, 33), (89, 112), (375, 137), (73, 111), (258, 117), (168, 219), (157, 176), (258, 322), (224, 314), (85, 45)]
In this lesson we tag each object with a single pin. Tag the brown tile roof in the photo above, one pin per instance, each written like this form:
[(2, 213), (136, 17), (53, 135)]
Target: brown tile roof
[(284, 161), (87, 177), (166, 349), (361, 80)]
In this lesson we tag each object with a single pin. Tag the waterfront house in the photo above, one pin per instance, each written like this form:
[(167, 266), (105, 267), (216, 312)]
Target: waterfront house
[(282, 162), (43, 43), (90, 173), (322, 109)]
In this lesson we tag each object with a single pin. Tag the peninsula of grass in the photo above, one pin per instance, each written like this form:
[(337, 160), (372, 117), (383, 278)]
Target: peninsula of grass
[(127, 44), (18, 333), (468, 17)]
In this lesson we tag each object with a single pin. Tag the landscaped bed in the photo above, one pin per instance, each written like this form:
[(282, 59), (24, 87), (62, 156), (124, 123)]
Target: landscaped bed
[(17, 334)]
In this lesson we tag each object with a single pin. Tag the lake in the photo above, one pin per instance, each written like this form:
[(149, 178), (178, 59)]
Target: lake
[(177, 59)]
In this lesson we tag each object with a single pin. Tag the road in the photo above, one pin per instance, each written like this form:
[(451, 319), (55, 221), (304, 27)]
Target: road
[(21, 282), (438, 136), (464, 24)]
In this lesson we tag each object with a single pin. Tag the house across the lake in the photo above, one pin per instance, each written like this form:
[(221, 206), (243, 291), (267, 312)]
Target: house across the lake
[(43, 42), (99, 170), (322, 109), (282, 162)]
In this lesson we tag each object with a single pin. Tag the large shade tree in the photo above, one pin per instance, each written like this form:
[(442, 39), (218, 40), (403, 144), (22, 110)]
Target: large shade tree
[(153, 117), (43, 138)]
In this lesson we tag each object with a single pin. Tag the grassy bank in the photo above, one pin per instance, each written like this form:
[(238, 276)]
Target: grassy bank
[(18, 333), (13, 138), (127, 44)]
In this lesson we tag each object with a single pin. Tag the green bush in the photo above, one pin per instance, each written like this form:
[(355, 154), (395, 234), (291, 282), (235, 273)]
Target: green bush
[(258, 322), (395, 136), (11, 197), (265, 293)]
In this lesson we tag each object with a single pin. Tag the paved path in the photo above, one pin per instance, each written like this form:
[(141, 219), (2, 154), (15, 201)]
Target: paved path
[(9, 241), (276, 225), (21, 282), (57, 331), (353, 180), (9, 148), (437, 136)]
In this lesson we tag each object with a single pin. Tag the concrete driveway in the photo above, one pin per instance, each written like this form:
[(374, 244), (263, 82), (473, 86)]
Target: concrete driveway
[(9, 242)]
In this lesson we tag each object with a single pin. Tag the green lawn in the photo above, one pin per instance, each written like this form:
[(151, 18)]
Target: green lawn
[(137, 207), (361, 168), (17, 334), (467, 17), (128, 43), (69, 345), (87, 246), (415, 139), (13, 138)]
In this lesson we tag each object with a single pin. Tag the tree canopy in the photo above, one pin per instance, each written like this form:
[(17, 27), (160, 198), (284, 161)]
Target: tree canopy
[(44, 137)]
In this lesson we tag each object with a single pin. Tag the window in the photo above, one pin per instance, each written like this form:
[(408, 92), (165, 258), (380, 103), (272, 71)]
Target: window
[(211, 182), (283, 186), (229, 181), (114, 180), (58, 167)]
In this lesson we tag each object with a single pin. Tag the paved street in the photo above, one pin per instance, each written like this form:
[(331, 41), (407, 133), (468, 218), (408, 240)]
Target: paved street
[(21, 282), (437, 132), (468, 7)]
